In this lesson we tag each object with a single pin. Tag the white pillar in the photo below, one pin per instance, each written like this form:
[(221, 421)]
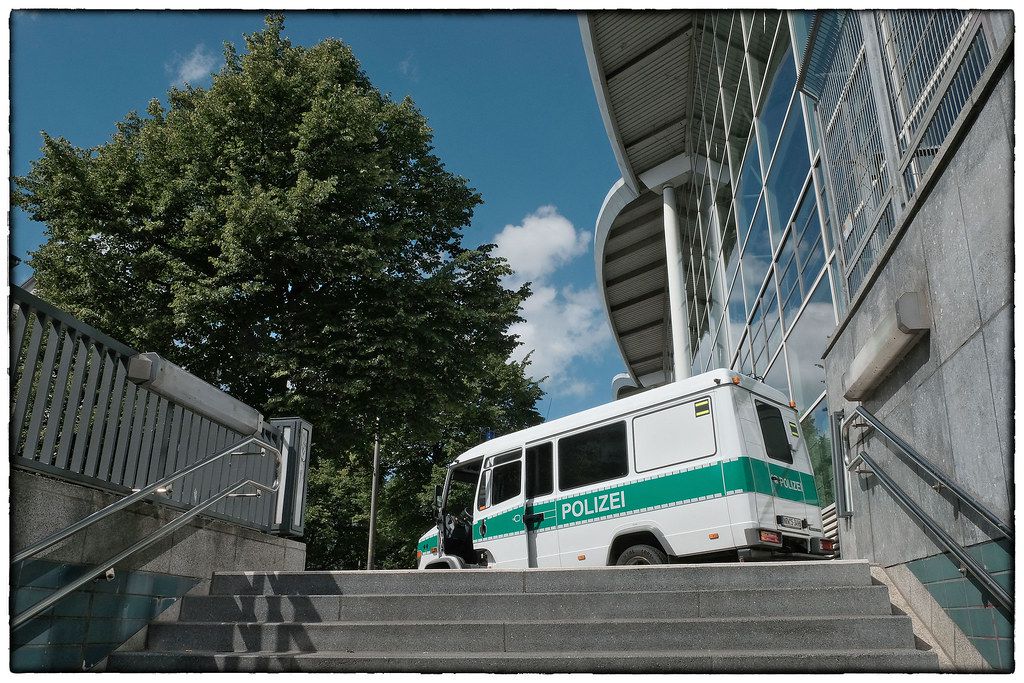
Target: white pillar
[(676, 288), (719, 304)]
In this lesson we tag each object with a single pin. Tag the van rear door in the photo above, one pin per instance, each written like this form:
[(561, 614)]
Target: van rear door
[(786, 461)]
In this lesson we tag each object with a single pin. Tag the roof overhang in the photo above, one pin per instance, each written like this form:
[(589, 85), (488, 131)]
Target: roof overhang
[(644, 66)]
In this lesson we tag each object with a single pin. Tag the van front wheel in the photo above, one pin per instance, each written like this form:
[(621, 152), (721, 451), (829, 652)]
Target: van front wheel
[(642, 554)]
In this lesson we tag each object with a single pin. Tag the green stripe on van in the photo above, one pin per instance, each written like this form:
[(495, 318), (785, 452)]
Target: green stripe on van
[(740, 475), (425, 546)]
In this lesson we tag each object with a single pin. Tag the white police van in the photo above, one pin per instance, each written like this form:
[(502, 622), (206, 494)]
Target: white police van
[(708, 468)]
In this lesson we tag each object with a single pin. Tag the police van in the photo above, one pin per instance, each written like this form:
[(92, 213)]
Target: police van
[(708, 468)]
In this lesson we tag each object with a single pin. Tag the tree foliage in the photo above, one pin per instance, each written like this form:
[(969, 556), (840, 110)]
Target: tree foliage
[(289, 235)]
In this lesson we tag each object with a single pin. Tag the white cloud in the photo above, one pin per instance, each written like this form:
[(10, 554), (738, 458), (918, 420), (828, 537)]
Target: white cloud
[(562, 324), (409, 68), (197, 66), (545, 240)]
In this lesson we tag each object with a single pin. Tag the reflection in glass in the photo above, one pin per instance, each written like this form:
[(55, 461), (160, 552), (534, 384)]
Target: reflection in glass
[(757, 254), (815, 431), (730, 250), (773, 111), (776, 376), (788, 172), (772, 323), (806, 343), (743, 361), (789, 291), (737, 309), (758, 352), (748, 188)]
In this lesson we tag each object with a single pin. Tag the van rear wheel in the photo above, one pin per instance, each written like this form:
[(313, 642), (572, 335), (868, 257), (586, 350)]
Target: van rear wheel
[(641, 554)]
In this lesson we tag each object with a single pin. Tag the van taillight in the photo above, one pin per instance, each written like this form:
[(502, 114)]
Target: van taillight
[(770, 536), (828, 545)]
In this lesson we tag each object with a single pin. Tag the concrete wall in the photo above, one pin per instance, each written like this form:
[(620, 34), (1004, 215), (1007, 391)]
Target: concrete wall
[(951, 397), (84, 627)]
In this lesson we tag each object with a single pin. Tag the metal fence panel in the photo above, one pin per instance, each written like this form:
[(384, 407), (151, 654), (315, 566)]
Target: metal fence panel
[(98, 420), (63, 453), (75, 414), (113, 419), (25, 384)]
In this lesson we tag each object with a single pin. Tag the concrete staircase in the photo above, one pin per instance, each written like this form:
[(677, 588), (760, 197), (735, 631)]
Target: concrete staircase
[(792, 616)]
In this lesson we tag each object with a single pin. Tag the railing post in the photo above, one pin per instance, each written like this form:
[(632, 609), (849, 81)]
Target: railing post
[(373, 496)]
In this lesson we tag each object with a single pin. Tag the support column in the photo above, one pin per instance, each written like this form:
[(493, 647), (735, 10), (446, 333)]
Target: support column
[(676, 288)]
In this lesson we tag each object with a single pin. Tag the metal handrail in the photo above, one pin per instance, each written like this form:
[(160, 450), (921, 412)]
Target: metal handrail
[(941, 478), (944, 539), (122, 503), (64, 591)]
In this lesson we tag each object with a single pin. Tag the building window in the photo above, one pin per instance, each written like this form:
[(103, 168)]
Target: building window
[(769, 122), (806, 342), (788, 171)]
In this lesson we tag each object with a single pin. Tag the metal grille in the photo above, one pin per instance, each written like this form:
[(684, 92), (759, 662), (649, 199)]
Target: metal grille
[(76, 416), (852, 140), (931, 60), (866, 258)]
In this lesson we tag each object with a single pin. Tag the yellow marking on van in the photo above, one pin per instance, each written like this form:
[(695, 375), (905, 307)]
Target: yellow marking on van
[(702, 408), (793, 430)]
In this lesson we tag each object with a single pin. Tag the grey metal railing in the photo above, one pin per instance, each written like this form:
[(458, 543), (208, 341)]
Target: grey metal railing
[(75, 415), (937, 532), (222, 495), (931, 62), (941, 479)]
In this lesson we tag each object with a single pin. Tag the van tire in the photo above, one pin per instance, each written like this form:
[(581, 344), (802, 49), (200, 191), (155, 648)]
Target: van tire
[(641, 554)]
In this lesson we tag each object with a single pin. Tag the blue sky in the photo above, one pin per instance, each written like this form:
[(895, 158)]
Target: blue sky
[(508, 95)]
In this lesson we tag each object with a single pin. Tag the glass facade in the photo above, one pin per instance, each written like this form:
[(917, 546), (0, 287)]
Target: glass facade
[(759, 271), (809, 134)]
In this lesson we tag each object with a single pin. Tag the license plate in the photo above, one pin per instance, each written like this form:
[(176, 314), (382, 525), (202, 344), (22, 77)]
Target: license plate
[(791, 522)]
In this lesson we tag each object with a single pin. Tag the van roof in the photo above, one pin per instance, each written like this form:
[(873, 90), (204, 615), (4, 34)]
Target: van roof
[(637, 401)]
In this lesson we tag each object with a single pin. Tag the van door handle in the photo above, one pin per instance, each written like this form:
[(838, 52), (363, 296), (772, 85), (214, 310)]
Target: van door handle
[(530, 519)]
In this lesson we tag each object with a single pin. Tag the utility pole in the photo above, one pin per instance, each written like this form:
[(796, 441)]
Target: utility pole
[(373, 495)]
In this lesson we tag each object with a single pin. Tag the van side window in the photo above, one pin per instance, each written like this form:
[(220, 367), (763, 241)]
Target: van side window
[(506, 481), (481, 492), (773, 430), (539, 470), (593, 456), (500, 479)]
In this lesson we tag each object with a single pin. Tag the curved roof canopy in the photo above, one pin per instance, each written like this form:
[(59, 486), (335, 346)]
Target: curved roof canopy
[(649, 70)]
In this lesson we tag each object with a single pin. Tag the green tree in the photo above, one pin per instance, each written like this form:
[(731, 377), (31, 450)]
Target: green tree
[(289, 235)]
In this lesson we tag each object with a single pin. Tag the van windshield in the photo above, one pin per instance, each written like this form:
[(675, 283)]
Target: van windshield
[(773, 430)]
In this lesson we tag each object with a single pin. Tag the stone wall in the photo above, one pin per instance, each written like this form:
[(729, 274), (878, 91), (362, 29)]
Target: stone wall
[(82, 629), (951, 397)]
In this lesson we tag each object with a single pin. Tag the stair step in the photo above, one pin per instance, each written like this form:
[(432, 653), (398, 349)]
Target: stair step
[(544, 662), (727, 633), (722, 576), (842, 600)]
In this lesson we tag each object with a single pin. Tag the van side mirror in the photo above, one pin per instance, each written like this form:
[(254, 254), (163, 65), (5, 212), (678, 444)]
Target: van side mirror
[(437, 495)]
